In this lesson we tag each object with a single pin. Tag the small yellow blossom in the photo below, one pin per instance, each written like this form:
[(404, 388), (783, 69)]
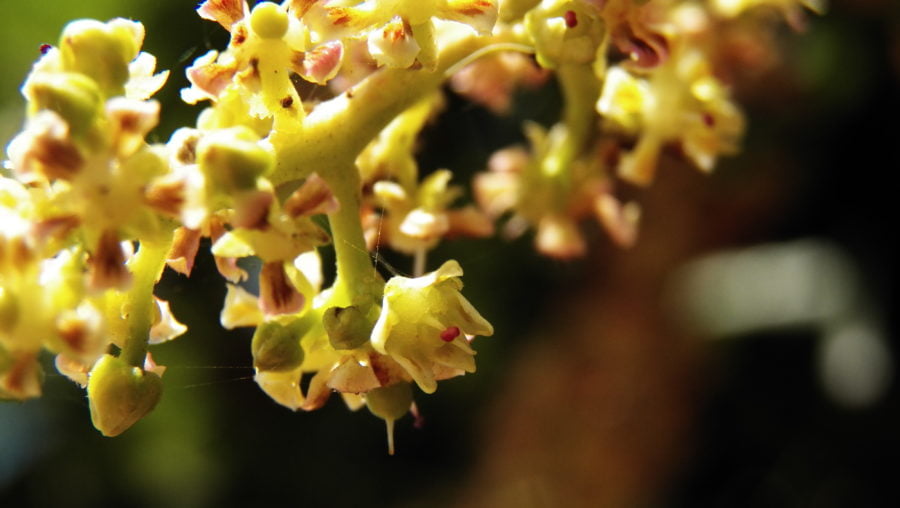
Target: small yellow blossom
[(424, 323)]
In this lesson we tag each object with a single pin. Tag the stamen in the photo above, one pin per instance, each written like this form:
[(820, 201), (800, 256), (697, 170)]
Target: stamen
[(450, 333)]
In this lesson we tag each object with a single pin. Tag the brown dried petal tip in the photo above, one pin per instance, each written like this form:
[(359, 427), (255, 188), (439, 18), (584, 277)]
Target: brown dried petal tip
[(224, 12), (276, 293), (184, 250), (106, 266), (313, 197), (166, 195), (252, 210)]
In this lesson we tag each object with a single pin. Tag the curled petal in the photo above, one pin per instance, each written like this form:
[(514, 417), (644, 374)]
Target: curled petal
[(21, 377), (390, 194), (479, 14), (644, 48), (232, 245), (165, 326), (277, 294), (318, 391), (394, 45), (45, 148), (490, 81), (143, 83), (311, 198), (496, 193), (227, 265), (223, 12), (424, 225), (469, 222), (208, 78), (300, 7), (559, 237), (54, 228), (353, 401), (625, 99), (106, 265), (252, 210), (322, 63), (282, 387), (184, 250), (639, 166), (72, 369), (131, 120), (241, 309), (621, 222), (332, 23), (81, 333), (353, 377), (151, 366), (167, 196)]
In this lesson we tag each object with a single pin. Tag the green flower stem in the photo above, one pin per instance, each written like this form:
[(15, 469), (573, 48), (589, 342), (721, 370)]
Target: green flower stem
[(336, 131), (580, 90), (146, 267), (357, 281)]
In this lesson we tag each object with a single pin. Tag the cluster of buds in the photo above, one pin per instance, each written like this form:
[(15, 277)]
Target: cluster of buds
[(93, 214), (79, 195), (637, 77)]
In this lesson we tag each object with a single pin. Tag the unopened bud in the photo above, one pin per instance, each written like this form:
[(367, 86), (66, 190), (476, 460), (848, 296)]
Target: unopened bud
[(232, 159), (268, 21), (347, 327), (276, 347), (101, 51), (120, 394), (390, 403), (74, 97)]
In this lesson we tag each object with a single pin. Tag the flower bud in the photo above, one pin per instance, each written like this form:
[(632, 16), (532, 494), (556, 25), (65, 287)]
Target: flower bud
[(268, 21), (75, 98), (564, 32), (276, 347), (390, 403), (347, 327), (101, 51), (120, 394), (232, 160)]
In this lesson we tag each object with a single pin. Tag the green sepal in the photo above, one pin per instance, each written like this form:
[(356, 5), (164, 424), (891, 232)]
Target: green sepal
[(276, 347), (232, 160), (72, 96), (120, 394), (101, 51), (347, 327)]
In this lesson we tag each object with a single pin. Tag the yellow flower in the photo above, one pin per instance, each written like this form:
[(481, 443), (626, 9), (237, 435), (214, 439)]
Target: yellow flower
[(423, 326)]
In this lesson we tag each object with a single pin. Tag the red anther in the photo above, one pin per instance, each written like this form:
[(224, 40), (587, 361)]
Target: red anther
[(571, 19), (450, 333), (45, 48), (709, 120)]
